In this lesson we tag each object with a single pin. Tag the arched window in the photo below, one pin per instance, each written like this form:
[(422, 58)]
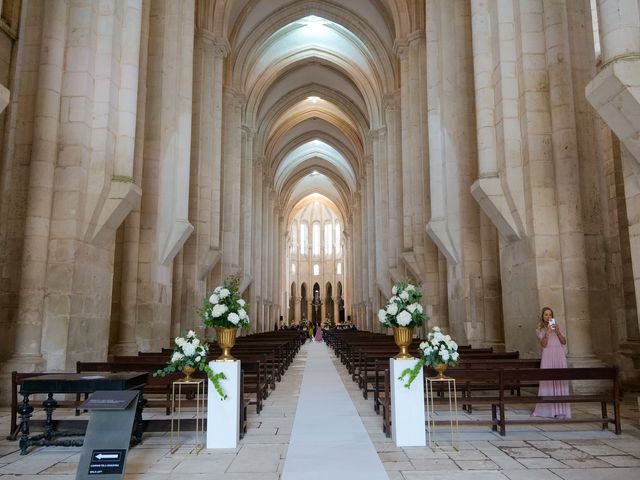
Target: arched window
[(316, 269), (294, 237), (338, 239), (339, 268), (328, 238), (315, 232), (303, 238)]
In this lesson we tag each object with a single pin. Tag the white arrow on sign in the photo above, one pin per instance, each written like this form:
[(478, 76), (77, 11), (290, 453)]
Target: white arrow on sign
[(108, 456)]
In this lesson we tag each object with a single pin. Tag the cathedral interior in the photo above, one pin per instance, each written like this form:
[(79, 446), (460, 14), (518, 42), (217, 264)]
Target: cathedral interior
[(319, 151)]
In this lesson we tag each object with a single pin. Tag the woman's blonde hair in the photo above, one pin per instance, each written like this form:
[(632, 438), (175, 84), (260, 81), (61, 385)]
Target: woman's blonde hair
[(541, 323)]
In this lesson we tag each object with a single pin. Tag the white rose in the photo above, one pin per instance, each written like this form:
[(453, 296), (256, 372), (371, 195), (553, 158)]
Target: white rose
[(198, 358), (394, 290), (218, 310), (213, 299), (404, 318), (382, 315), (392, 309), (234, 318), (224, 293), (241, 302), (242, 314), (191, 334), (404, 296)]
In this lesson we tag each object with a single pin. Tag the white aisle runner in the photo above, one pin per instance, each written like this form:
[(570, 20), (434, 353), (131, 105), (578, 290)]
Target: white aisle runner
[(328, 440)]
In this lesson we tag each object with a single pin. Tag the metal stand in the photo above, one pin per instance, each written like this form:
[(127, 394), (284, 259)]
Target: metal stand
[(176, 411), (452, 395)]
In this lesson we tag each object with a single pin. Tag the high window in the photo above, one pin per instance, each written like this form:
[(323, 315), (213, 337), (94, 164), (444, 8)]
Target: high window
[(293, 268), (339, 268), (328, 239), (316, 239), (303, 238), (316, 269), (338, 247)]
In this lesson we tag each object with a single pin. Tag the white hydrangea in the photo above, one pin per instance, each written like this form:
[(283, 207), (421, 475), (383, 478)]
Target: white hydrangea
[(189, 349), (392, 309), (382, 315), (404, 296), (195, 342), (218, 310), (224, 293), (404, 318), (234, 318), (241, 302), (177, 356), (213, 299), (413, 307), (242, 314), (394, 290), (191, 334)]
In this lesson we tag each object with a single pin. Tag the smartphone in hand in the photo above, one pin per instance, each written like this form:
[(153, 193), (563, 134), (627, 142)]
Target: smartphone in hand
[(552, 323)]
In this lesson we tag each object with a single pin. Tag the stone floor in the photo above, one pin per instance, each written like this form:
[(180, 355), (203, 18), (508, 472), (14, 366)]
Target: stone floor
[(540, 452)]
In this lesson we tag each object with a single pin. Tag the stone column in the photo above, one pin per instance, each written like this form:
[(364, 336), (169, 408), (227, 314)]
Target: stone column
[(257, 214), (27, 347), (202, 249), (126, 337), (165, 203), (565, 154), (419, 253), (232, 179), (612, 92)]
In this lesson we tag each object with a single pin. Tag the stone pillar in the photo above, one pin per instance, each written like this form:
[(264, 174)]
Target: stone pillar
[(419, 253), (27, 347), (232, 179), (612, 92), (202, 249), (127, 319), (455, 218), (164, 226), (575, 286), (257, 214)]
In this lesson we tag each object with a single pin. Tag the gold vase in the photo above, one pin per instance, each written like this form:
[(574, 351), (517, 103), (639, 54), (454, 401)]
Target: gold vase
[(188, 371), (402, 337), (226, 338), (440, 368)]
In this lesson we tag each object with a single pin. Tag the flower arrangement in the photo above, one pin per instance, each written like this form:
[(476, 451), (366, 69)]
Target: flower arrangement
[(189, 351), (403, 308), (438, 349), (223, 307)]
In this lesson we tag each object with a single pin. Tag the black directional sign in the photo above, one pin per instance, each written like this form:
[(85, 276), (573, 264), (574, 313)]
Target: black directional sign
[(107, 462)]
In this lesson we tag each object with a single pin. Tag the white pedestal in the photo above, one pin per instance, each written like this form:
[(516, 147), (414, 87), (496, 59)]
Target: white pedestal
[(407, 406), (223, 416)]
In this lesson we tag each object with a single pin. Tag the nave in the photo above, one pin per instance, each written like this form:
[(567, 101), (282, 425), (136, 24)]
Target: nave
[(541, 452)]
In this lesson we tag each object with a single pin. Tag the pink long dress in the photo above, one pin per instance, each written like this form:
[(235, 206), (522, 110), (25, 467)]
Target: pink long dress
[(552, 357)]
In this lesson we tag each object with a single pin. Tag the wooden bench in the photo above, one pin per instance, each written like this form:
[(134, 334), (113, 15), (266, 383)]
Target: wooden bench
[(499, 394), (610, 395)]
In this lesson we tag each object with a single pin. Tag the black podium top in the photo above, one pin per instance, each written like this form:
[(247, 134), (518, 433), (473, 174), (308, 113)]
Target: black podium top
[(83, 382)]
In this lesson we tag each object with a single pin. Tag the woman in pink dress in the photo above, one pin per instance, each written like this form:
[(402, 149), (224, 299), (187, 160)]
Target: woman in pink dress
[(553, 356)]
